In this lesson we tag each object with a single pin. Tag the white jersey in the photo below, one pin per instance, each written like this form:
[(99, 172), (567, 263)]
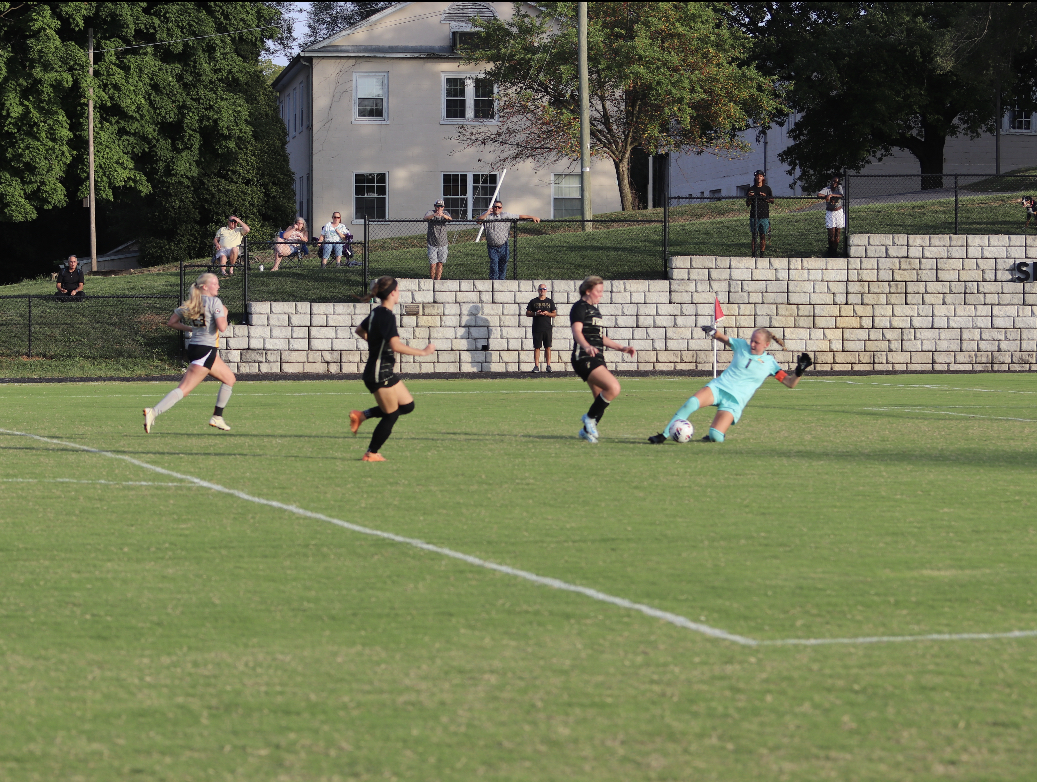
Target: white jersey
[(205, 331)]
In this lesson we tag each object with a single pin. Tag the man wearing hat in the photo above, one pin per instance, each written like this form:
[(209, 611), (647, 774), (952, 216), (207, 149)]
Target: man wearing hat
[(436, 238), (759, 199), (543, 311)]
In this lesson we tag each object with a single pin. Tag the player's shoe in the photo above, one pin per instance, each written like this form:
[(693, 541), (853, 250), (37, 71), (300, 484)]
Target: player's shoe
[(657, 439), (355, 419), (372, 457), (590, 438), (218, 422), (149, 419), (590, 426), (707, 439)]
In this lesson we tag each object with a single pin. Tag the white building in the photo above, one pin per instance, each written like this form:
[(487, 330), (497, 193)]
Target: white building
[(372, 112)]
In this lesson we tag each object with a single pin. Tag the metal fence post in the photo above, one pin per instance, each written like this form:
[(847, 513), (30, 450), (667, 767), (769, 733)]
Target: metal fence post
[(29, 352), (955, 204), (244, 280), (666, 215), (846, 211), (367, 243), (514, 247), (181, 280)]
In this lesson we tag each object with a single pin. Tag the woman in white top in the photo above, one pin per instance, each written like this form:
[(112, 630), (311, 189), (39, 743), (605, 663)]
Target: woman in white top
[(203, 316)]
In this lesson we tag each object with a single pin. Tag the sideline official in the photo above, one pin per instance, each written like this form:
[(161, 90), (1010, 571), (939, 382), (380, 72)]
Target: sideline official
[(543, 312)]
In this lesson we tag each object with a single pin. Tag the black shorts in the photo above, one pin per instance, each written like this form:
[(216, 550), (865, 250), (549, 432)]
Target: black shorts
[(584, 365), (389, 382), (202, 355), (542, 339)]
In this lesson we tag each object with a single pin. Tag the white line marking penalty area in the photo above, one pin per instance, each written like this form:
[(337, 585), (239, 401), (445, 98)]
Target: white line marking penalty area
[(554, 583)]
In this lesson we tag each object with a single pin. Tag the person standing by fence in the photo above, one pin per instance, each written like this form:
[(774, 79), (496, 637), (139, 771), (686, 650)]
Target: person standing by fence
[(498, 226), (70, 281), (759, 198), (438, 243), (835, 218)]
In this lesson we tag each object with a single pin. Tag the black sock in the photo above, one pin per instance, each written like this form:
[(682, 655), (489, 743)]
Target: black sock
[(382, 431), (598, 408), (407, 408), (373, 412), (217, 411)]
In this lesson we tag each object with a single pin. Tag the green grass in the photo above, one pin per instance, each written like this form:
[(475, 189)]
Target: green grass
[(179, 633)]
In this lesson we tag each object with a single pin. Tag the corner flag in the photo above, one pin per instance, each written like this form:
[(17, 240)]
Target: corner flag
[(718, 314)]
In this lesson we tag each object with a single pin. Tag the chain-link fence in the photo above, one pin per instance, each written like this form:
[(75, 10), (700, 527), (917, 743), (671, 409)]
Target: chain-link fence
[(93, 327)]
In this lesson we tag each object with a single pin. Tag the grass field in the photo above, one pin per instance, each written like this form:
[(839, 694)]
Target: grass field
[(196, 605)]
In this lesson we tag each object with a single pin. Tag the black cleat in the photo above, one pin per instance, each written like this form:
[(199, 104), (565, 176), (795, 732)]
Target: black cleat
[(657, 439), (707, 439)]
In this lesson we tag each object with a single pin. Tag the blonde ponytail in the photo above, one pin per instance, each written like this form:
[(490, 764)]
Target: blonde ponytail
[(771, 337), (192, 308)]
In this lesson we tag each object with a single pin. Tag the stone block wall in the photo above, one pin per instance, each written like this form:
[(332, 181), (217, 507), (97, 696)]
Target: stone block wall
[(898, 303)]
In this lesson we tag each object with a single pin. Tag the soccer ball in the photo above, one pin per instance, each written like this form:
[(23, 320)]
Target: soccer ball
[(682, 431)]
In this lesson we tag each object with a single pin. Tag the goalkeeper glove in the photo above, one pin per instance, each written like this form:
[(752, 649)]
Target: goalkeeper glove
[(803, 364), (710, 330)]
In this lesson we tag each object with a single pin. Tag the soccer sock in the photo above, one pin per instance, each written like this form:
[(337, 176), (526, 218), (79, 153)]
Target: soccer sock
[(382, 431), (373, 412), (598, 407), (715, 436), (222, 398), (168, 401), (686, 410), (407, 408)]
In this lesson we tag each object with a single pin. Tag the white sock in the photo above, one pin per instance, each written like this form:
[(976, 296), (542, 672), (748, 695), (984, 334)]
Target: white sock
[(224, 395), (168, 401)]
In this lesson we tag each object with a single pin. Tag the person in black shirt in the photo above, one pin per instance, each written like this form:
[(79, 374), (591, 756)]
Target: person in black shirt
[(392, 396), (70, 281), (543, 311), (759, 199), (588, 360)]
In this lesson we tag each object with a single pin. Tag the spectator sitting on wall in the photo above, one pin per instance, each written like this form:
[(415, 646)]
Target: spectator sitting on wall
[(227, 241), (758, 198), (70, 281), (498, 226), (291, 241)]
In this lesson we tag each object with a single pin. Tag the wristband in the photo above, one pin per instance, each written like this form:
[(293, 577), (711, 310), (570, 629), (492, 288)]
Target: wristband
[(781, 375)]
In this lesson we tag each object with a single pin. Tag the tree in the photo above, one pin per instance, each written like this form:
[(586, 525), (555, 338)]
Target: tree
[(868, 78), (663, 77), (186, 128), (325, 19)]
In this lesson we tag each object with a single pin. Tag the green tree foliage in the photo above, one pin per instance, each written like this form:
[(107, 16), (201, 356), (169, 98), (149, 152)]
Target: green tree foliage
[(185, 132), (663, 77), (868, 78)]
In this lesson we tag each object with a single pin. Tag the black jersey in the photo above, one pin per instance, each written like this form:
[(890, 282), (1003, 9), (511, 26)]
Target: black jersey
[(590, 317), (380, 326), (538, 305)]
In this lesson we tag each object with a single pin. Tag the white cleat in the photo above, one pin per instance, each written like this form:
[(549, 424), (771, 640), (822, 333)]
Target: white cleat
[(590, 426), (219, 423), (149, 419), (590, 438)]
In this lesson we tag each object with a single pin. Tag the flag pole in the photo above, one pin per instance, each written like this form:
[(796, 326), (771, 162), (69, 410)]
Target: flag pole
[(496, 192)]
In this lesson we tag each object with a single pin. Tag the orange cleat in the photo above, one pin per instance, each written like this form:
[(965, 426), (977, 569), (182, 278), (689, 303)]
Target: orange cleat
[(372, 457), (355, 419)]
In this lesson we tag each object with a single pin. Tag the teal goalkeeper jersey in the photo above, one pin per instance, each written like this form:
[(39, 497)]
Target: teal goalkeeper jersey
[(746, 372)]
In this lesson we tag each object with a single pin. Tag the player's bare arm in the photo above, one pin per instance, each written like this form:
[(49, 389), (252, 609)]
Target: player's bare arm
[(401, 347), (611, 343)]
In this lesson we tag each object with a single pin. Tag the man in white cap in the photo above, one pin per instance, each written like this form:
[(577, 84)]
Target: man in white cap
[(438, 244)]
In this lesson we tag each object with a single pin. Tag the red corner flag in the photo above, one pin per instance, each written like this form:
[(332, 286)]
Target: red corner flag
[(718, 314)]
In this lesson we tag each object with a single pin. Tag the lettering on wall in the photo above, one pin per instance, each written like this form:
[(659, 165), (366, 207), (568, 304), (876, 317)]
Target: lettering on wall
[(1024, 271)]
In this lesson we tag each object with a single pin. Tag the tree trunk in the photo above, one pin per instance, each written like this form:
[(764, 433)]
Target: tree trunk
[(626, 192), (928, 151)]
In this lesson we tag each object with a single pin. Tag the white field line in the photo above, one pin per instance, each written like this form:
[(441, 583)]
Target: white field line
[(916, 385), (329, 393), (594, 594), (103, 483), (554, 583), (947, 412)]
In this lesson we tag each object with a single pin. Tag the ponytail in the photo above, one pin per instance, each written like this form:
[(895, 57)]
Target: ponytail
[(192, 308), (771, 337), (380, 289)]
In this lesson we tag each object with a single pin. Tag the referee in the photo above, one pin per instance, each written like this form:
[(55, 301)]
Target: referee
[(543, 312)]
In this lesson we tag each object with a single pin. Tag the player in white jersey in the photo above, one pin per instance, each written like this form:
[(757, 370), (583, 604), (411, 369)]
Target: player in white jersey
[(750, 366), (204, 317)]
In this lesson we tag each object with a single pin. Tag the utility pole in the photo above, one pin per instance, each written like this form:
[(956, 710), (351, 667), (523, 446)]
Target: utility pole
[(90, 151), (585, 121)]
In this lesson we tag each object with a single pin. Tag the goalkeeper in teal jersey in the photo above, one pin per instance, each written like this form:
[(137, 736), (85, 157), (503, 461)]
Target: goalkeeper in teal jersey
[(750, 366)]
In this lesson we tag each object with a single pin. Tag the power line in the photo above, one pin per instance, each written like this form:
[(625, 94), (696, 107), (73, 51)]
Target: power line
[(182, 40)]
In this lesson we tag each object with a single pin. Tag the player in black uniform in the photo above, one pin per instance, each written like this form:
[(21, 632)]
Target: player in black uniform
[(392, 396), (589, 354)]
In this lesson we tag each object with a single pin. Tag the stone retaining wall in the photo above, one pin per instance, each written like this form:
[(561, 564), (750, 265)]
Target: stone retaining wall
[(898, 303)]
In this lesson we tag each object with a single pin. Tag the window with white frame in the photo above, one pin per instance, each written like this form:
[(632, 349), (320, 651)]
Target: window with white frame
[(566, 196), (370, 196), (468, 98), (371, 97), (1021, 121), (468, 195)]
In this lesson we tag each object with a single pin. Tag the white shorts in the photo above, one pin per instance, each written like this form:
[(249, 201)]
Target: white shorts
[(836, 219), (437, 254)]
